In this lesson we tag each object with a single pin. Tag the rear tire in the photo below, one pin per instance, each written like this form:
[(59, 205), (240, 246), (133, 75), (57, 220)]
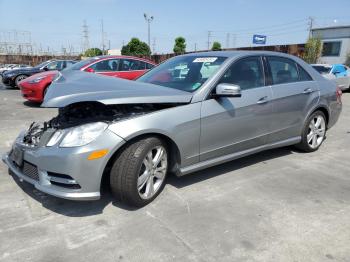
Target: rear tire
[(314, 132), (138, 174)]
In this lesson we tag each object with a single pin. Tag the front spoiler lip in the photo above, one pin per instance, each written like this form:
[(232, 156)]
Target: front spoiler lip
[(47, 189)]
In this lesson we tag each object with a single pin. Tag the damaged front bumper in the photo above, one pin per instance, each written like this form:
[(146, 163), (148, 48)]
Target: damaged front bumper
[(64, 172)]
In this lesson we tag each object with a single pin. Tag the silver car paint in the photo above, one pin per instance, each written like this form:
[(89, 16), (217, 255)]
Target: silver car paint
[(206, 131), (75, 86)]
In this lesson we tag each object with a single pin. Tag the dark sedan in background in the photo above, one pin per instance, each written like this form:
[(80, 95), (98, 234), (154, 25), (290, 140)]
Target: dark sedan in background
[(13, 77)]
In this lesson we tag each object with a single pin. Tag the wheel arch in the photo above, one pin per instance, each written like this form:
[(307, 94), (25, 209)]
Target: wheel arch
[(174, 155), (323, 109)]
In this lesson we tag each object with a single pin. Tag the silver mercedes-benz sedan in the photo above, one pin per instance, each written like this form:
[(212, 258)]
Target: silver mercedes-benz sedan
[(189, 113)]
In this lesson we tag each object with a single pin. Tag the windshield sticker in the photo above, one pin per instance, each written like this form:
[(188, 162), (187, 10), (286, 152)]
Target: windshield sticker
[(195, 86), (205, 60)]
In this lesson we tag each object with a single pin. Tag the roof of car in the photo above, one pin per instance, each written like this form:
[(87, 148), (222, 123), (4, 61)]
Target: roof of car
[(237, 53), (325, 65), (123, 56), (328, 65)]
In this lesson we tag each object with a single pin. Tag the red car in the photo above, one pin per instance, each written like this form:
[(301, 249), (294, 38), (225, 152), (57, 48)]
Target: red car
[(34, 87)]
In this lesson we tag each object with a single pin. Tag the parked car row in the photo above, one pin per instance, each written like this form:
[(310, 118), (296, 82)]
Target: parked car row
[(7, 67), (191, 112), (337, 72), (34, 82), (14, 76)]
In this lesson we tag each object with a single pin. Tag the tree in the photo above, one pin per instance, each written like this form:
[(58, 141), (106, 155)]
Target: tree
[(313, 50), (180, 45), (136, 48), (93, 52), (216, 46), (347, 62)]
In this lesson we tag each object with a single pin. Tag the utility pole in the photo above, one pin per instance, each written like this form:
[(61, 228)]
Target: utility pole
[(311, 23), (228, 40), (209, 35), (85, 37), (154, 45), (149, 19), (102, 38)]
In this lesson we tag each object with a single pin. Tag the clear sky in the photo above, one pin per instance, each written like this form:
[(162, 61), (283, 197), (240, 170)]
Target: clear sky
[(59, 23)]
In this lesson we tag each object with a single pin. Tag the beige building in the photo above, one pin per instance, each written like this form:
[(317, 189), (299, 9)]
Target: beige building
[(114, 52), (336, 43)]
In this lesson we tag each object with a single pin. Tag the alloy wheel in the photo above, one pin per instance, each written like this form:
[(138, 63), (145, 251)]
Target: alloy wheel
[(20, 78), (316, 132), (152, 173)]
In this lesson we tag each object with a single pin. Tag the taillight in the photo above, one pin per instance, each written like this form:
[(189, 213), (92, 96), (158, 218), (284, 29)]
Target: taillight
[(339, 93)]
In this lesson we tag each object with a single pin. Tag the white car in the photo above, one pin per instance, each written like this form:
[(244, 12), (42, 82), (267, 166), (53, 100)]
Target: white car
[(337, 72)]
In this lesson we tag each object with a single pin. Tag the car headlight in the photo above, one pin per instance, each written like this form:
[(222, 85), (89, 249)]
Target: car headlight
[(55, 138), (37, 80), (83, 135)]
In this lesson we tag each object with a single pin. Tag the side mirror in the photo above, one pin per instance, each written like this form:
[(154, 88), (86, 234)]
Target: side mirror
[(227, 90), (335, 72), (45, 68), (89, 70)]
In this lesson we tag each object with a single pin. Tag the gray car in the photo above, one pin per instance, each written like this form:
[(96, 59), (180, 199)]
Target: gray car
[(220, 107)]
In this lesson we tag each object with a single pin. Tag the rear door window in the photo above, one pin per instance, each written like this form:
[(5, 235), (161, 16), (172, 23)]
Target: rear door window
[(303, 75), (149, 66), (132, 65), (283, 70), (106, 65)]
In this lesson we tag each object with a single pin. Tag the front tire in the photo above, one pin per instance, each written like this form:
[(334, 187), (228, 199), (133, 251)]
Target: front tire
[(19, 79), (138, 174), (314, 132)]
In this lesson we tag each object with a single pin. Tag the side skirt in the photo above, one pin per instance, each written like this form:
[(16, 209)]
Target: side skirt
[(230, 157)]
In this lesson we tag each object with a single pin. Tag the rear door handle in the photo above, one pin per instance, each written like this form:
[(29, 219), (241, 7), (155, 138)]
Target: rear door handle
[(262, 100), (307, 91)]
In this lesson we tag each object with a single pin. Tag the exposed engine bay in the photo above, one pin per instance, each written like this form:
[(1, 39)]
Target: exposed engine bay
[(88, 112)]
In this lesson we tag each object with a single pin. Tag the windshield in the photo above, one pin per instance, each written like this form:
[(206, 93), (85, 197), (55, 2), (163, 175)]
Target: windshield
[(187, 73), (323, 69), (79, 65)]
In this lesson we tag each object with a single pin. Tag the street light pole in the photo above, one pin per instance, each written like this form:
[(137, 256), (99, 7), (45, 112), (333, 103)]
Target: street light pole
[(149, 19)]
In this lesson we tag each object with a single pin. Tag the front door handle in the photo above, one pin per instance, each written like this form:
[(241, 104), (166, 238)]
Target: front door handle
[(262, 100), (307, 91)]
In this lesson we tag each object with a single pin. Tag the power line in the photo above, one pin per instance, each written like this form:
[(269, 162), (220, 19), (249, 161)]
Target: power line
[(276, 30), (264, 27)]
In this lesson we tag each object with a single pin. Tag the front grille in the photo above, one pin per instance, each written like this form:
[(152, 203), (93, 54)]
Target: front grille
[(30, 171)]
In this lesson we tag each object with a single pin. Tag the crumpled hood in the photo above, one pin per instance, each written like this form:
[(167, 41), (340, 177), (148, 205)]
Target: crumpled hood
[(75, 86)]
